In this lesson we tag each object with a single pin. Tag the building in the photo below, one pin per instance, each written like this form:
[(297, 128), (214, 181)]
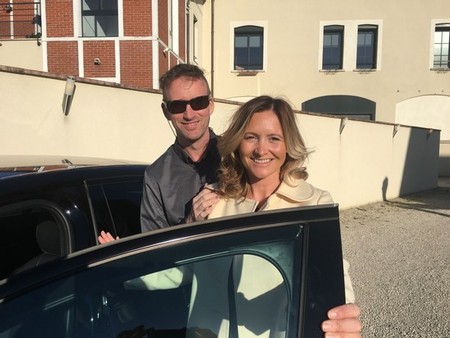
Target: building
[(130, 42), (383, 61)]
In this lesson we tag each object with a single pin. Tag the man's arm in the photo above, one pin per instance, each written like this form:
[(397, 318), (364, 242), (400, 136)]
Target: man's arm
[(153, 215)]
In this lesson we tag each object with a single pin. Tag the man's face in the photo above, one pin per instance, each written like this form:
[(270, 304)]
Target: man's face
[(191, 125)]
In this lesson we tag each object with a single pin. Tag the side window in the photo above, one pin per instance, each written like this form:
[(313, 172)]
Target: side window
[(441, 46), (333, 47), (32, 234), (116, 206), (248, 48), (366, 57), (99, 18)]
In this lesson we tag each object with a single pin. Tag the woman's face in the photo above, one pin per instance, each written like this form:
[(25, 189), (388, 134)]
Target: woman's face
[(263, 150)]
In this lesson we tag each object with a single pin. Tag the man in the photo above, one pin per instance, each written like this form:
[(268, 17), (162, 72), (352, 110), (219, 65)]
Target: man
[(178, 175), (171, 182)]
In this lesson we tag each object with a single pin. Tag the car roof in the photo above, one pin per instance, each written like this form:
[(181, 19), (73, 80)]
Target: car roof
[(12, 165)]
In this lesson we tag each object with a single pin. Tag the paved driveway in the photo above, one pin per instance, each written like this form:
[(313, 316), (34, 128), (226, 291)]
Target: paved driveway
[(399, 254)]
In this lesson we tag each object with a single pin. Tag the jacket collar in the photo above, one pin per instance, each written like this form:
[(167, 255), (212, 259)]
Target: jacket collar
[(295, 189)]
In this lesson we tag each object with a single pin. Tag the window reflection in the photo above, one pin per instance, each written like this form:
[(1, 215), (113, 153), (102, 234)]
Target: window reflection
[(245, 294)]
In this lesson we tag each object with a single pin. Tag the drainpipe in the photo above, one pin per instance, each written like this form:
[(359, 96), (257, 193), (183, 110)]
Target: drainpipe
[(188, 32), (212, 48)]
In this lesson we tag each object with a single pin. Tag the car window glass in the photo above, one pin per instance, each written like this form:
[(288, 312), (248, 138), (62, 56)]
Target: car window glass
[(116, 206), (202, 298)]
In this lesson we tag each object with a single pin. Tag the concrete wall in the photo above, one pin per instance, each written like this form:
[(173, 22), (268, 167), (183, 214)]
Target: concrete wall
[(364, 163)]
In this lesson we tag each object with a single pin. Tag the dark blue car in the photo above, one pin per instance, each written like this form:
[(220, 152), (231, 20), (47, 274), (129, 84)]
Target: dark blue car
[(265, 274)]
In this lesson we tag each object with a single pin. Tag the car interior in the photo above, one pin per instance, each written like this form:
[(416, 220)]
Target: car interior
[(49, 241), (31, 235)]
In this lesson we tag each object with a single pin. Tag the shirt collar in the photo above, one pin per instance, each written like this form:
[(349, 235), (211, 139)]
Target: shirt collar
[(211, 148)]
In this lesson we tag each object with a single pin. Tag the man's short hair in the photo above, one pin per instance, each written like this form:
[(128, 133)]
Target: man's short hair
[(181, 70)]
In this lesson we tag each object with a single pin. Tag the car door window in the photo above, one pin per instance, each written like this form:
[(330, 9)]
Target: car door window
[(116, 206), (206, 298)]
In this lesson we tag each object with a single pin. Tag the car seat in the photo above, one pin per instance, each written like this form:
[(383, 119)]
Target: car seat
[(48, 238)]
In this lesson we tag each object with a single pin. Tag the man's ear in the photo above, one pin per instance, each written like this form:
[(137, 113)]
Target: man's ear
[(211, 106), (166, 112)]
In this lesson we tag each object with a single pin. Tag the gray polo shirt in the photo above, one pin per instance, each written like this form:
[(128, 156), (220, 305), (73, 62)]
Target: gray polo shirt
[(171, 182)]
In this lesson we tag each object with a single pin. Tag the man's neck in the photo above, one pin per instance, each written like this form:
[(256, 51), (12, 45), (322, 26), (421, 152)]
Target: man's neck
[(196, 150)]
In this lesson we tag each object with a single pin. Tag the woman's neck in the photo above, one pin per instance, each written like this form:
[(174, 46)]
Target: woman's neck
[(261, 190)]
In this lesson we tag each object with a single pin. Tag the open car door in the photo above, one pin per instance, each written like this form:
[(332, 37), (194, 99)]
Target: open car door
[(265, 274)]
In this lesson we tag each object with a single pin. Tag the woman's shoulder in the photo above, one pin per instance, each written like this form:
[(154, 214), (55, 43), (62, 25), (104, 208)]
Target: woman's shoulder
[(300, 190)]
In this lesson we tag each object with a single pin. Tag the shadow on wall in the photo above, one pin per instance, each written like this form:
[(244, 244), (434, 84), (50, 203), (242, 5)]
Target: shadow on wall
[(421, 161), (444, 166), (384, 188)]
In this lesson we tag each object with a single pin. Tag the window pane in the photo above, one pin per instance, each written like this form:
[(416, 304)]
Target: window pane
[(108, 4), (335, 40), (255, 41), (106, 26), (367, 50), (240, 42), (332, 47), (100, 18), (90, 4), (441, 46), (332, 50), (88, 26), (248, 48)]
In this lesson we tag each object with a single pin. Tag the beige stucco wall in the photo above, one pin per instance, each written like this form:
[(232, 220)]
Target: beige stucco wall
[(21, 53), (364, 163), (293, 33), (403, 87), (293, 46)]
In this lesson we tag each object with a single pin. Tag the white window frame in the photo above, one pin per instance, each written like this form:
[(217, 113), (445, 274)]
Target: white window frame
[(434, 23), (235, 24), (350, 43)]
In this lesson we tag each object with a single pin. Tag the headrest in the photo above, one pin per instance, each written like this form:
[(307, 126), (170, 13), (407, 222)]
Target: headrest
[(48, 237)]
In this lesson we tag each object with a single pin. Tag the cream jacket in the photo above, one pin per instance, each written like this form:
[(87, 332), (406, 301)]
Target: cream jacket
[(291, 193)]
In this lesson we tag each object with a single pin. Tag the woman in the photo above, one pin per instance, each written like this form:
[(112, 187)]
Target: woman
[(262, 168), (262, 161)]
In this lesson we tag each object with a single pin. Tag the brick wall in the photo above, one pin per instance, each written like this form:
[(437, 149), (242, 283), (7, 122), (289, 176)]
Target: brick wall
[(59, 18), (182, 29), (19, 13), (137, 17), (136, 63), (63, 57), (105, 52)]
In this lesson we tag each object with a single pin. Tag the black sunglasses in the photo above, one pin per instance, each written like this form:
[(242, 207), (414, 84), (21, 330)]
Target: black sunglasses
[(179, 106)]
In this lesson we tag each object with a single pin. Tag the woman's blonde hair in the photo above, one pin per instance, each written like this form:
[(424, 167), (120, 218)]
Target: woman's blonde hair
[(233, 179)]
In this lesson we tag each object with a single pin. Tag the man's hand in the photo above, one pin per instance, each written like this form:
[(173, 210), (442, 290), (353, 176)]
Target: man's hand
[(202, 205), (106, 237), (343, 322)]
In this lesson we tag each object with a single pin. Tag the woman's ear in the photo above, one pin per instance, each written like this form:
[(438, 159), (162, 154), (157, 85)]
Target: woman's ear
[(166, 112)]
